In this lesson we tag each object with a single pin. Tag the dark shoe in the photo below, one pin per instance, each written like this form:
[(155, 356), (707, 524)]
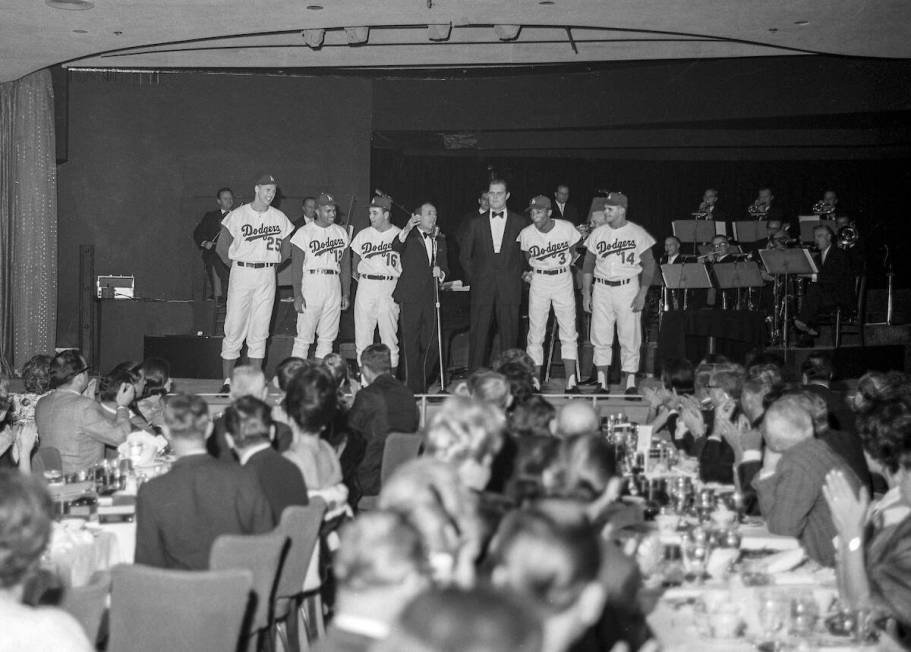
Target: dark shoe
[(225, 389), (572, 390), (632, 394), (588, 382)]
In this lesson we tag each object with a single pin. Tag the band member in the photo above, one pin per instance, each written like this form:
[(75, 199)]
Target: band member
[(849, 239), (252, 237), (422, 253), (827, 207), (671, 251), (321, 276), (708, 207), (764, 208), (378, 268), (561, 209), (493, 266), (618, 253), (549, 246), (205, 236), (834, 286)]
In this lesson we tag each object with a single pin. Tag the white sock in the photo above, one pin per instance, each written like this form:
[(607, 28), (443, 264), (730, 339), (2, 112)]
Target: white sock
[(571, 381), (602, 379), (227, 381), (630, 380)]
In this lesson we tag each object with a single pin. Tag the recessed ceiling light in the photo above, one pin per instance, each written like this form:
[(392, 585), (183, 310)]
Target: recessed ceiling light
[(80, 31), (546, 2), (773, 29), (118, 33), (314, 7), (801, 22), (70, 5)]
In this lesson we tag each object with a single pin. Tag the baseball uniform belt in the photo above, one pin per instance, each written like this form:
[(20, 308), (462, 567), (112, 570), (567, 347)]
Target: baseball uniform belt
[(551, 272), (612, 284), (323, 271), (377, 277), (241, 263)]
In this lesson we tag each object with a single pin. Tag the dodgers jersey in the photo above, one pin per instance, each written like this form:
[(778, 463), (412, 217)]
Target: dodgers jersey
[(323, 247), (551, 250), (257, 236), (618, 252), (375, 249)]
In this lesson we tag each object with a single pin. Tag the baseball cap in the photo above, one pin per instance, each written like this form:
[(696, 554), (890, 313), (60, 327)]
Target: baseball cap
[(266, 179), (615, 199), (540, 201), (325, 199), (381, 202)]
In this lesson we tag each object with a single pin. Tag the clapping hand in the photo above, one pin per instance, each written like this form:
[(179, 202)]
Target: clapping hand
[(691, 413), (413, 222), (849, 510)]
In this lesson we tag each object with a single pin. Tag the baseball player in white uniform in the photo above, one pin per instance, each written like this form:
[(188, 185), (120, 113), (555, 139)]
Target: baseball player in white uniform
[(252, 242), (378, 268), (549, 245), (321, 278), (617, 254)]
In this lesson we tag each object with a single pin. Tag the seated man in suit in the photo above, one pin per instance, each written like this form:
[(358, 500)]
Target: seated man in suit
[(834, 286), (384, 405), (248, 425), (70, 420), (181, 513), (379, 566), (562, 209)]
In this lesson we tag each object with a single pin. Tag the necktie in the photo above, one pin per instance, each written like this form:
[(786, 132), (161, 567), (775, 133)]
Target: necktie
[(497, 214)]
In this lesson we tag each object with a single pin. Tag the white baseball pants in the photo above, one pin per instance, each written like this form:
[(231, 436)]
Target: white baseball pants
[(251, 293), (375, 308), (611, 305), (320, 318), (556, 291)]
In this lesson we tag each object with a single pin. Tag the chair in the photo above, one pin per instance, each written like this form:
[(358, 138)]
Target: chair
[(399, 447), (261, 554), (49, 459), (847, 324), (87, 604), (301, 525), (153, 609)]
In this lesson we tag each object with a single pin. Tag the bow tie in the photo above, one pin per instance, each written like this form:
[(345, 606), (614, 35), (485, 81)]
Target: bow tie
[(496, 214), (426, 235)]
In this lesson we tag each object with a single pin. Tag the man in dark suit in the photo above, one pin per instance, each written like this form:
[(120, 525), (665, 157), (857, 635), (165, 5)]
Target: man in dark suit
[(816, 374), (422, 252), (834, 286), (206, 234), (385, 405), (493, 266), (562, 209), (181, 513), (248, 423)]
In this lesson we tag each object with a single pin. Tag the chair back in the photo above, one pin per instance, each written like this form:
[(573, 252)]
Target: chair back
[(261, 554), (49, 458), (153, 609), (87, 604), (860, 288), (301, 526), (400, 447)]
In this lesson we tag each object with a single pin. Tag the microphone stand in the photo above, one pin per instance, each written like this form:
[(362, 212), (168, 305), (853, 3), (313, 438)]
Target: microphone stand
[(436, 302)]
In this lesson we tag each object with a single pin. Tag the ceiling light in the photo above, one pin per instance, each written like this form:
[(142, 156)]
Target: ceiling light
[(773, 29), (80, 31), (357, 35), (546, 2), (507, 32), (314, 7), (314, 37), (801, 23), (439, 32), (70, 5)]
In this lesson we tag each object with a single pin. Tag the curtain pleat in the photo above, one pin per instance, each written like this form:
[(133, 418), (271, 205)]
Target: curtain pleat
[(28, 219)]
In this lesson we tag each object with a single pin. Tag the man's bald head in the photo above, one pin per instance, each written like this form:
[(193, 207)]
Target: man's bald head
[(248, 381), (786, 423), (577, 417)]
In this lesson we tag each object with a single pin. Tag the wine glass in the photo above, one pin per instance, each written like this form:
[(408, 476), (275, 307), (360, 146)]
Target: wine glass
[(804, 613), (774, 609)]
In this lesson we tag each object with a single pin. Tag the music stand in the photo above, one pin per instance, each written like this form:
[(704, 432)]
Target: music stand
[(786, 262), (693, 231), (750, 231), (738, 275), (807, 224)]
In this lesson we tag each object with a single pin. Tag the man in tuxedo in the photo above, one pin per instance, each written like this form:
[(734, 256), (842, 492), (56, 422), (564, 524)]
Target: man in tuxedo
[(308, 212), (422, 254), (382, 406), (709, 205), (181, 513), (493, 265), (206, 234), (563, 210), (671, 251), (834, 286)]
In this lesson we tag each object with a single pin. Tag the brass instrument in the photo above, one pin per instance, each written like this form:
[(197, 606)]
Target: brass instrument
[(758, 210), (847, 237), (824, 209), (704, 212)]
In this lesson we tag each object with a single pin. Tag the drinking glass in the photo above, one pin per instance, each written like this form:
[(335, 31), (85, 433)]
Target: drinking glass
[(774, 609), (804, 613), (695, 557)]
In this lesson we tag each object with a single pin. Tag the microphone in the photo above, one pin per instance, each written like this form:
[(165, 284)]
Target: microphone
[(436, 232)]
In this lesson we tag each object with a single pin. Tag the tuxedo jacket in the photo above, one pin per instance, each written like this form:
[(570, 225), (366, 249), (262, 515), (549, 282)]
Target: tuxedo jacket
[(181, 513), (835, 275), (493, 277), (281, 480), (415, 285), (208, 227), (568, 213)]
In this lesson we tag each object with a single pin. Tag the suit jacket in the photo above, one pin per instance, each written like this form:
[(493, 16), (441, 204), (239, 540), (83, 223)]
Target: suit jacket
[(385, 405), (281, 480), (416, 282), (835, 277), (208, 228), (79, 428), (493, 277), (569, 213), (848, 447), (181, 513)]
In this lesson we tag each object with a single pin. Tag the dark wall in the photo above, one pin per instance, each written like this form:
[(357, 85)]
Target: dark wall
[(147, 153)]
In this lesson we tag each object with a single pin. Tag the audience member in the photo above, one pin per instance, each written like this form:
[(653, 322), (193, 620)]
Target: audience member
[(108, 389), (75, 424), (522, 383), (533, 418), (380, 565), (577, 417), (384, 405), (156, 372), (490, 387), (789, 487), (248, 425), (25, 532), (716, 459), (451, 619), (466, 434), (17, 439), (338, 367), (36, 377), (181, 513), (816, 376)]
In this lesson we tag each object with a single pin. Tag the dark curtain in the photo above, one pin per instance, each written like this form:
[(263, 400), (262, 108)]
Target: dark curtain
[(28, 219), (662, 191)]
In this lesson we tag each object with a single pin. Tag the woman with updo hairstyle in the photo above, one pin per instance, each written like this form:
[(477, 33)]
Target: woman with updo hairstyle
[(156, 374), (36, 376), (25, 531)]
